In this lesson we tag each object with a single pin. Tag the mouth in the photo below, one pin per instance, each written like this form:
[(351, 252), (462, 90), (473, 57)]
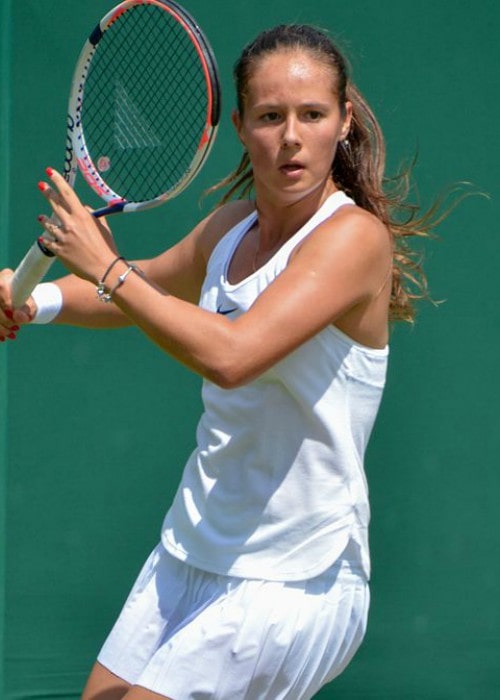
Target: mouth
[(291, 168)]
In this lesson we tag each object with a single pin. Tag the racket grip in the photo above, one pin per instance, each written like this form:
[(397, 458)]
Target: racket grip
[(30, 271)]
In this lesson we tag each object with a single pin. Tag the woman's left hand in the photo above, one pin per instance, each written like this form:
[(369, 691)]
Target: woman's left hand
[(83, 243)]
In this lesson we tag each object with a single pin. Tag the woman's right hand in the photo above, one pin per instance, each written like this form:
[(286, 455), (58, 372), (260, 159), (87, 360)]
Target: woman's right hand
[(12, 319)]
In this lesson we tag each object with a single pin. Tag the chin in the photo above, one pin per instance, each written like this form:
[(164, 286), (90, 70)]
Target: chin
[(299, 191), (291, 192)]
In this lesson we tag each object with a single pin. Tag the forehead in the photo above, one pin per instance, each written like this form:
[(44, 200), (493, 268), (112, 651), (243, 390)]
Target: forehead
[(290, 69)]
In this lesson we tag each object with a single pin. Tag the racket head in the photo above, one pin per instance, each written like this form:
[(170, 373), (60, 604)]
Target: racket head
[(144, 105)]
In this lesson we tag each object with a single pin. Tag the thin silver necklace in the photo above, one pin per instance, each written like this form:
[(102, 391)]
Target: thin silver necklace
[(256, 253)]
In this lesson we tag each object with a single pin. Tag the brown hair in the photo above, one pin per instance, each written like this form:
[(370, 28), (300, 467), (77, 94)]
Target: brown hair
[(359, 163)]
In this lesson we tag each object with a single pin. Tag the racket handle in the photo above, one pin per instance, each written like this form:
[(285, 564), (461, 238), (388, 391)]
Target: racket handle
[(30, 271)]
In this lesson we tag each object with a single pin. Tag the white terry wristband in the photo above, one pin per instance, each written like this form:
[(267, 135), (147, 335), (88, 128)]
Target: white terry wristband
[(48, 299)]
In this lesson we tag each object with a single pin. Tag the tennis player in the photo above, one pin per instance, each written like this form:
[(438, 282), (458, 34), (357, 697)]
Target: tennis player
[(281, 300)]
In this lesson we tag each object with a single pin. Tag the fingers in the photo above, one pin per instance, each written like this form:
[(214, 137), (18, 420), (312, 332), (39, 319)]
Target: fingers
[(61, 197), (80, 241), (12, 319), (8, 328), (8, 335), (51, 225), (49, 239), (69, 213), (6, 313), (64, 201), (8, 332)]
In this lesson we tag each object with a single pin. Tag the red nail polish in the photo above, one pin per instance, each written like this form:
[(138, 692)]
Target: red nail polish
[(14, 328), (9, 313), (40, 218), (49, 171), (42, 186), (12, 336)]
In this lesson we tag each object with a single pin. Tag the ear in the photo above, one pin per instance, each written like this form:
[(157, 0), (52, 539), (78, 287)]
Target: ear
[(346, 126), (238, 124)]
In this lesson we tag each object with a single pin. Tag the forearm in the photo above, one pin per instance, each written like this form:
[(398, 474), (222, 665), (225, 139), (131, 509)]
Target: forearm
[(201, 340), (81, 307)]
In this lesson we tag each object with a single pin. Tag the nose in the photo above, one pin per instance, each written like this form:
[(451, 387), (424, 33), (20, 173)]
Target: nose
[(291, 135)]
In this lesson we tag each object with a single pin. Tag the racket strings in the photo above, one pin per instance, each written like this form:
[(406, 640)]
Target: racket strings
[(145, 104)]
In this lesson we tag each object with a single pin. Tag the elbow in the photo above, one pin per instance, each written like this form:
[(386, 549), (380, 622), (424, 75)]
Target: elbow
[(231, 372), (227, 377), (232, 359)]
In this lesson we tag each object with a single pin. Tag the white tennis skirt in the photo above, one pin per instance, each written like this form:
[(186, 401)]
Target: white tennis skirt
[(192, 635)]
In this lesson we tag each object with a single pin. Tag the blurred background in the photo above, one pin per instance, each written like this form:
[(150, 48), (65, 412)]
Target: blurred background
[(95, 427)]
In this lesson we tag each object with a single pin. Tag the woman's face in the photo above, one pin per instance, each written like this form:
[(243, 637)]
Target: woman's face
[(291, 125)]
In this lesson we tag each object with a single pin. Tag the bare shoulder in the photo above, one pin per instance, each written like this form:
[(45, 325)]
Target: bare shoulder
[(350, 251), (353, 232), (181, 269), (221, 221), (354, 223)]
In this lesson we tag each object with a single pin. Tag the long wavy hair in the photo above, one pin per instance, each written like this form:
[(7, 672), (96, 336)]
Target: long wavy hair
[(358, 167)]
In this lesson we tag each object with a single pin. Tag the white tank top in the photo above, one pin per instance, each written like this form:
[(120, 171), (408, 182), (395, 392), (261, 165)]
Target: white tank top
[(276, 488)]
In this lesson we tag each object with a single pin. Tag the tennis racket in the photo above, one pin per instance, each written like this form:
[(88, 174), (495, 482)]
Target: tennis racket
[(143, 112)]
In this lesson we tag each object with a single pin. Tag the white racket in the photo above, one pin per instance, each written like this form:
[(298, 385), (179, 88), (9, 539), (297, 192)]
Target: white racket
[(143, 112)]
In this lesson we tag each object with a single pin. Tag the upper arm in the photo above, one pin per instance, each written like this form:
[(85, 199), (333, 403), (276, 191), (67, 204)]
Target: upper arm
[(337, 270), (181, 270), (340, 267)]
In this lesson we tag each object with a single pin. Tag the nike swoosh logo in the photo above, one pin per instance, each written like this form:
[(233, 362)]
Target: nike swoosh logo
[(225, 312)]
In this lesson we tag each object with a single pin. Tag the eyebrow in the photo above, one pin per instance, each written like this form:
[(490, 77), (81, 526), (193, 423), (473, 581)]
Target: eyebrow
[(306, 105)]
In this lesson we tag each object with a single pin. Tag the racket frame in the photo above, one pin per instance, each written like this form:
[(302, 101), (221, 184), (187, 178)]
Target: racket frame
[(114, 202), (39, 259)]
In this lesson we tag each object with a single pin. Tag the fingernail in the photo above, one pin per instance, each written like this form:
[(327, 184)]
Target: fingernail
[(12, 336), (9, 313), (49, 171), (42, 186), (14, 328), (40, 218)]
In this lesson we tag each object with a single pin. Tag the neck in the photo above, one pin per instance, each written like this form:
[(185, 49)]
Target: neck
[(278, 222)]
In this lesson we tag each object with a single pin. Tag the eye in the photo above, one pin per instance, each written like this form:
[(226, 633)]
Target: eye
[(314, 115), (270, 117)]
